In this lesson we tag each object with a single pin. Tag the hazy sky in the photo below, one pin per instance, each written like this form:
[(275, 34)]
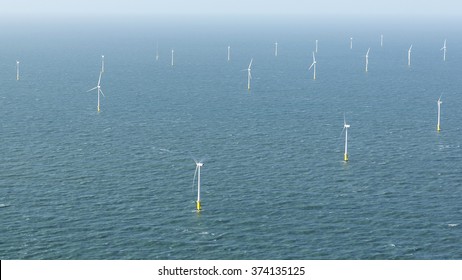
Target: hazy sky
[(231, 7)]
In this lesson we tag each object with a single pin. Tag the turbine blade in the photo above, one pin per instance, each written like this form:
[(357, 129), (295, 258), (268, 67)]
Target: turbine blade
[(250, 65), (312, 64), (102, 92), (92, 89), (314, 59), (194, 178), (99, 80)]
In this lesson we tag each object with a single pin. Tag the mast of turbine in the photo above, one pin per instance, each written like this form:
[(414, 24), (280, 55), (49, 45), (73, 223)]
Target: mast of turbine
[(444, 50), (102, 64), (249, 75), (229, 53), (409, 56), (98, 88), (439, 102), (345, 127), (367, 58), (172, 56), (381, 40), (314, 67), (17, 70), (198, 172), (157, 52), (351, 43)]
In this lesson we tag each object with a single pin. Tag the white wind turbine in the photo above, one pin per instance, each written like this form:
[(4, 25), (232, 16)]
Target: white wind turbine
[(345, 128), (17, 70), (313, 65), (276, 49), (198, 173), (172, 56), (229, 53), (381, 40), (249, 75), (409, 56), (351, 43), (98, 87), (157, 51), (102, 64), (367, 58), (444, 50), (439, 102)]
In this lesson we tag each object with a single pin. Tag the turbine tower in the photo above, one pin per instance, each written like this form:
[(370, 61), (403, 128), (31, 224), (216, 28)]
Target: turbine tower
[(444, 50), (439, 102), (276, 49), (345, 127), (17, 70), (351, 43), (249, 75), (409, 56), (313, 65), (367, 58), (198, 173), (172, 56), (98, 88), (229, 53)]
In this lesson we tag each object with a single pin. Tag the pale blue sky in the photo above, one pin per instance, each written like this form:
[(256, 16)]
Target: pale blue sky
[(412, 8)]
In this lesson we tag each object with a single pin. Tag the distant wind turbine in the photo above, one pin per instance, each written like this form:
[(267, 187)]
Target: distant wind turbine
[(351, 43), (381, 40), (313, 65), (157, 51), (229, 53), (17, 70), (98, 87), (367, 58), (172, 56), (345, 128), (439, 102), (102, 64), (198, 173), (444, 50), (276, 49), (249, 75), (409, 56)]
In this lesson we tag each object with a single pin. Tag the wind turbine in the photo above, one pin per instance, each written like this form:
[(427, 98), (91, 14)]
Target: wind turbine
[(98, 87), (249, 75), (409, 56), (276, 49), (229, 53), (367, 58), (439, 102), (314, 67), (172, 56), (381, 40), (157, 52), (316, 48), (351, 43), (102, 64), (444, 50), (198, 173), (345, 128), (17, 70)]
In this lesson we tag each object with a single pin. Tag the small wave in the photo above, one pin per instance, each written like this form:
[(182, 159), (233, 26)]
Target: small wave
[(452, 225), (3, 205)]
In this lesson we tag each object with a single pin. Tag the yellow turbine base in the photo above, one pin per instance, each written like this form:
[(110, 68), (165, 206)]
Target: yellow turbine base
[(198, 206), (438, 128), (98, 109), (345, 157)]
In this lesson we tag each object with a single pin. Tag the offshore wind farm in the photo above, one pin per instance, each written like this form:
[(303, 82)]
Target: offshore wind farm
[(282, 180)]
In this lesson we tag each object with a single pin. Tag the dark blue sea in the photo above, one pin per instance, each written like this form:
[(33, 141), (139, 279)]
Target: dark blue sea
[(118, 184)]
